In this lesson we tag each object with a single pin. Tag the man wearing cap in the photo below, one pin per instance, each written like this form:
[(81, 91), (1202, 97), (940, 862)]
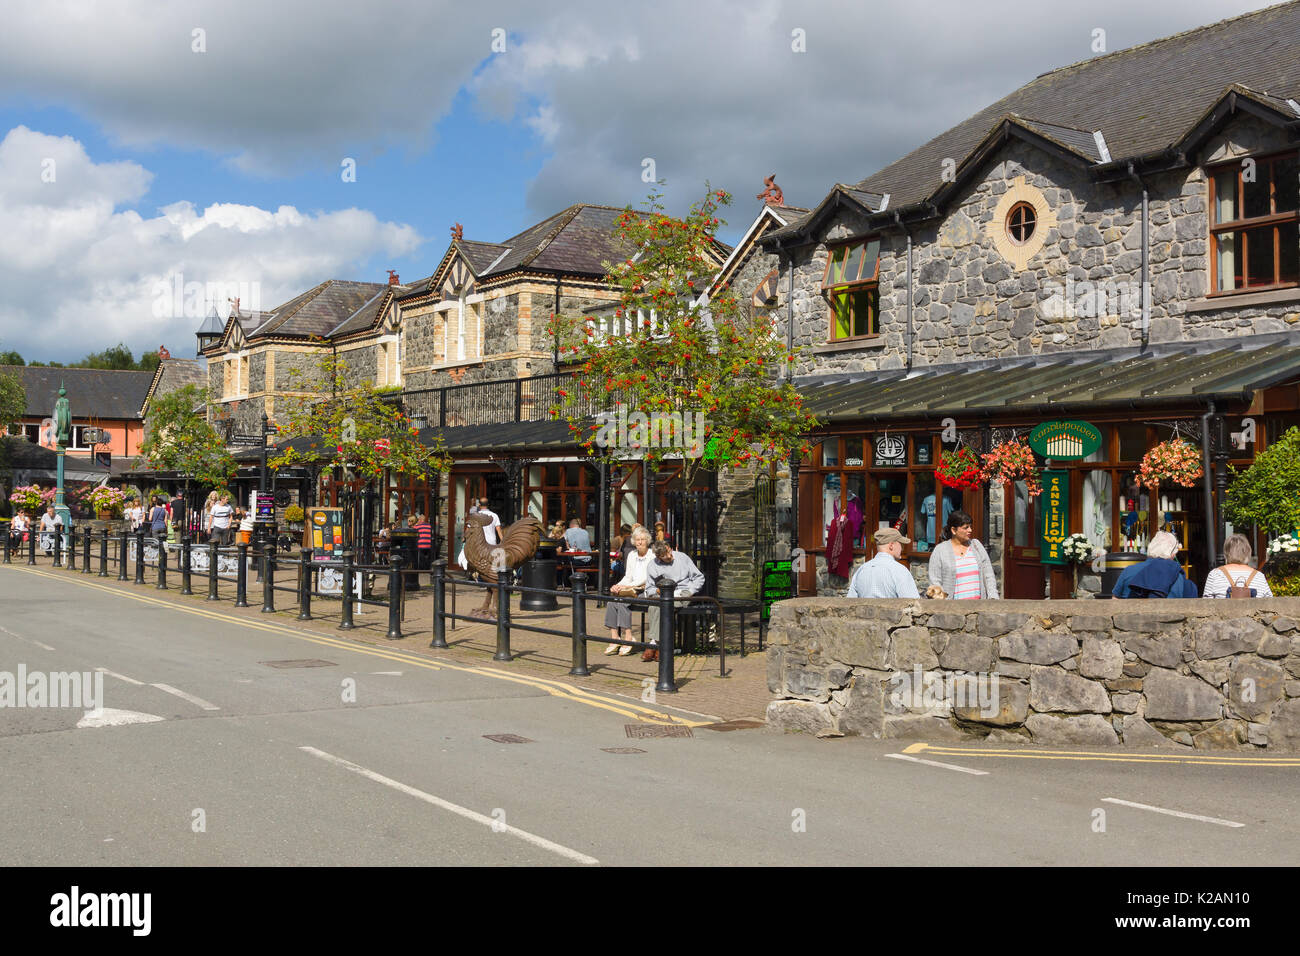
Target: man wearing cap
[(883, 576)]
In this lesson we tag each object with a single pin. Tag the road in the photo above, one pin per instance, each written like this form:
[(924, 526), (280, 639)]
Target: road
[(377, 757)]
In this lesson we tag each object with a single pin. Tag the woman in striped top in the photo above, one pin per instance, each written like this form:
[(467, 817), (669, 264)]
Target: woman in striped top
[(423, 542), (960, 565)]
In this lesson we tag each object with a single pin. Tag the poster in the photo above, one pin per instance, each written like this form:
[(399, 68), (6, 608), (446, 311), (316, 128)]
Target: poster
[(325, 534), (1054, 506), (777, 585)]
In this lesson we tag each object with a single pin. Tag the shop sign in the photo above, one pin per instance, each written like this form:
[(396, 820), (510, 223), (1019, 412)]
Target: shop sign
[(325, 528), (264, 505), (777, 585), (1065, 441), (923, 452), (1054, 505), (891, 451)]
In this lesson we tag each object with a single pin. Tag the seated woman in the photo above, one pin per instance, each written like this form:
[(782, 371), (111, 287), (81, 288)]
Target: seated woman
[(618, 616), (1236, 572), (1159, 576)]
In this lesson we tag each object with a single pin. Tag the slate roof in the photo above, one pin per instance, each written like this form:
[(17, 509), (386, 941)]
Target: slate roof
[(1144, 100), (1227, 369), (326, 309), (92, 392)]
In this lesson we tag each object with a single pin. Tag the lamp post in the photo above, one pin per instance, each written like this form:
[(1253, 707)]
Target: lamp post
[(63, 433), (259, 527)]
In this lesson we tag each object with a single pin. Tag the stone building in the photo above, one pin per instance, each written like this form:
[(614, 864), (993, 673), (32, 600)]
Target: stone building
[(1116, 240)]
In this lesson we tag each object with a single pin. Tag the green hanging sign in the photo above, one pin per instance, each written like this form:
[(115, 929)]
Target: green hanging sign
[(1065, 441), (1054, 507)]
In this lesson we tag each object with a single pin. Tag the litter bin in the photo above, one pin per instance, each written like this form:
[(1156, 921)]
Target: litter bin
[(539, 572), (1115, 563), (405, 541)]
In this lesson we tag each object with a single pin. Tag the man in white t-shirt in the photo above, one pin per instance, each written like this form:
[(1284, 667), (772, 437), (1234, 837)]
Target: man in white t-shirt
[(221, 514), (49, 522), (491, 533)]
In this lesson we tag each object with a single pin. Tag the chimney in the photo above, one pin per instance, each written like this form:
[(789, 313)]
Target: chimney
[(392, 277)]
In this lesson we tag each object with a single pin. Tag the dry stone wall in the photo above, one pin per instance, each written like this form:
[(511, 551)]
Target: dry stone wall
[(1190, 674)]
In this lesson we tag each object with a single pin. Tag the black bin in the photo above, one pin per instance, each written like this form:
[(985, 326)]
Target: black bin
[(405, 542), (1116, 563), (539, 572)]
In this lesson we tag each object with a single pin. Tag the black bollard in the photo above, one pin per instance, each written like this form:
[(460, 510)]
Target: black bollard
[(8, 541), (72, 548), (139, 557), (185, 564), (579, 596), (212, 571), (667, 635), (304, 585), (58, 546), (503, 617), (103, 552), (268, 580), (122, 557), (31, 545), (162, 564), (438, 580), (345, 622), (241, 575), (394, 595), (85, 553)]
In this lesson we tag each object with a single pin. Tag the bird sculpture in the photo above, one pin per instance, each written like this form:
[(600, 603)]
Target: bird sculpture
[(519, 542)]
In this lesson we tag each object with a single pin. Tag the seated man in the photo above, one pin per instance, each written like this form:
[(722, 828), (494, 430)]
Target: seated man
[(576, 539), (673, 566), (883, 576)]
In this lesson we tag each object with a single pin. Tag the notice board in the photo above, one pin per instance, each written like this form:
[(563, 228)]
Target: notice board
[(325, 534), (778, 583)]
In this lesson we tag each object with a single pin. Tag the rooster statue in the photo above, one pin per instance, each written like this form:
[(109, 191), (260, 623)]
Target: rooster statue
[(519, 542)]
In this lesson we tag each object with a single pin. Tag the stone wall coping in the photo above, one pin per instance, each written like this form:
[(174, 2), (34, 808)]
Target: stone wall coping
[(1191, 607)]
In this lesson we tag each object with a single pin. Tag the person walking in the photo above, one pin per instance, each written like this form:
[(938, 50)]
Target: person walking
[(158, 518), (180, 517), (618, 615), (1159, 576), (960, 565), (1237, 578), (492, 531), (220, 520), (675, 566), (883, 576)]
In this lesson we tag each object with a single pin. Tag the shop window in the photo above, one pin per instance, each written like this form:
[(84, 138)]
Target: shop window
[(1255, 227), (925, 529), (855, 484), (1132, 442), (831, 453), (1096, 509), (1024, 517), (831, 485), (891, 511)]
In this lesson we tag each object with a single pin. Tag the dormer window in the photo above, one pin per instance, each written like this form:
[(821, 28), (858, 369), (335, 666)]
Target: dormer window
[(852, 286), (1254, 226)]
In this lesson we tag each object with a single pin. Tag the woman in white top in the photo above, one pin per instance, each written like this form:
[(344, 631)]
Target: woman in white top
[(618, 616), (1236, 571)]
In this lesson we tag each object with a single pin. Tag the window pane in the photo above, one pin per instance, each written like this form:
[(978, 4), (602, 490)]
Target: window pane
[(1225, 195), (892, 510), (1259, 256), (927, 508), (870, 256), (1255, 200), (1132, 442), (854, 454), (855, 312), (855, 484), (1022, 516), (831, 452), (1290, 252), (572, 478), (843, 316), (952, 501), (830, 501), (1226, 264), (1286, 184), (1096, 509)]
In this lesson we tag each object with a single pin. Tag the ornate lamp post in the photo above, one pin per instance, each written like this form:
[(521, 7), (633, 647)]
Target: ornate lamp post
[(63, 434)]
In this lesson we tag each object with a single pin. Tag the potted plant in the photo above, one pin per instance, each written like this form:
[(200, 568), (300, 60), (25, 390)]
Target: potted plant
[(31, 499), (959, 469), (1175, 461), (1267, 494), (108, 502), (1077, 550), (1012, 461), (293, 516), (1282, 569)]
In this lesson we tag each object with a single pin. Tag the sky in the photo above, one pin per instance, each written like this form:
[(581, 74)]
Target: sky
[(160, 158)]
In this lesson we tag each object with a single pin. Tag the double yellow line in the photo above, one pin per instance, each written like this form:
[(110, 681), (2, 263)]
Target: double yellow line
[(1227, 760), (554, 688)]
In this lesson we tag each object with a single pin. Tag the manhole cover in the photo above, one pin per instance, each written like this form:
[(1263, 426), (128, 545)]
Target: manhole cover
[(734, 725), (309, 662), (642, 731), (508, 738), (622, 750)]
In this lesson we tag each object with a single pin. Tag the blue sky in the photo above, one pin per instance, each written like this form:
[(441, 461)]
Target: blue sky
[(222, 164)]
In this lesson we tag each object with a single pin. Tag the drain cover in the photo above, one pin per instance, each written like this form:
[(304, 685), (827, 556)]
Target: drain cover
[(622, 750), (508, 738), (642, 731), (735, 725), (308, 662)]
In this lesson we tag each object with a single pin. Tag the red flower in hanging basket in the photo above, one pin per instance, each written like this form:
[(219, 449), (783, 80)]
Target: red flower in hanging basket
[(959, 469), (1013, 461), (1176, 461)]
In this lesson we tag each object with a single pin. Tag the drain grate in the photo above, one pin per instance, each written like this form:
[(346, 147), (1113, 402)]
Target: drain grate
[(735, 725), (507, 738), (642, 731), (308, 662), (622, 750)]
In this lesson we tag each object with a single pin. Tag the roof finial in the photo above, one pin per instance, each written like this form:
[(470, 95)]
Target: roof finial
[(771, 194), (457, 232)]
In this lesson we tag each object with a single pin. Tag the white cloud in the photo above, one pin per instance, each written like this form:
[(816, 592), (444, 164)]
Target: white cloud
[(80, 274)]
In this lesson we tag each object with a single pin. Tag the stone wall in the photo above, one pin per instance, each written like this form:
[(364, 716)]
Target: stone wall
[(1190, 674)]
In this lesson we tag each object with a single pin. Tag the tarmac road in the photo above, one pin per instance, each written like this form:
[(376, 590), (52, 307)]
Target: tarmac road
[(205, 754)]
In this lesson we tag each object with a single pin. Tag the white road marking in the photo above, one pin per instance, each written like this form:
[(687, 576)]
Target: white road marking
[(935, 763), (387, 673), (108, 717), (5, 630), (197, 701), (468, 814), (1173, 813), (129, 680)]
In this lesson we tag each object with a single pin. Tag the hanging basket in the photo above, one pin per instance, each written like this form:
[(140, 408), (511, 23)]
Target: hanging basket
[(1013, 461), (1175, 461), (959, 469)]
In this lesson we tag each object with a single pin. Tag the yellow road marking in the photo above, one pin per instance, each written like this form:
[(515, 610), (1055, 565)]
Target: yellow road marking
[(569, 692), (1227, 760)]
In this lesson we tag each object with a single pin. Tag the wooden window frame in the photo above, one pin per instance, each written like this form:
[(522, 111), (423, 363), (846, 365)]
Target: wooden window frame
[(1033, 223), (859, 284), (1242, 226)]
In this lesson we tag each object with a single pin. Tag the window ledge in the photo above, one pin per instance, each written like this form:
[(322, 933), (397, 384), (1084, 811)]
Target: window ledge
[(875, 342), (1243, 300)]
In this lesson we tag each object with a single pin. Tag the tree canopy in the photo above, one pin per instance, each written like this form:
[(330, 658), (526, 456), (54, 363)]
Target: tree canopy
[(181, 439), (1267, 493)]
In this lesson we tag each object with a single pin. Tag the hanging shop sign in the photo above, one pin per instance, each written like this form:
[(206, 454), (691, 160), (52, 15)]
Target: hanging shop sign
[(778, 585), (1065, 441), (891, 451), (1054, 505), (325, 531)]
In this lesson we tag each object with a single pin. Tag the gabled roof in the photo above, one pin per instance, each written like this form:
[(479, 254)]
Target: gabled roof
[(93, 393), (172, 374), (1146, 101), (324, 309), (769, 218)]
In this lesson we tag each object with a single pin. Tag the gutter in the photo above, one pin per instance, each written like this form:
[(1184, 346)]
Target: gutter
[(1207, 484), (1146, 253), (898, 219)]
